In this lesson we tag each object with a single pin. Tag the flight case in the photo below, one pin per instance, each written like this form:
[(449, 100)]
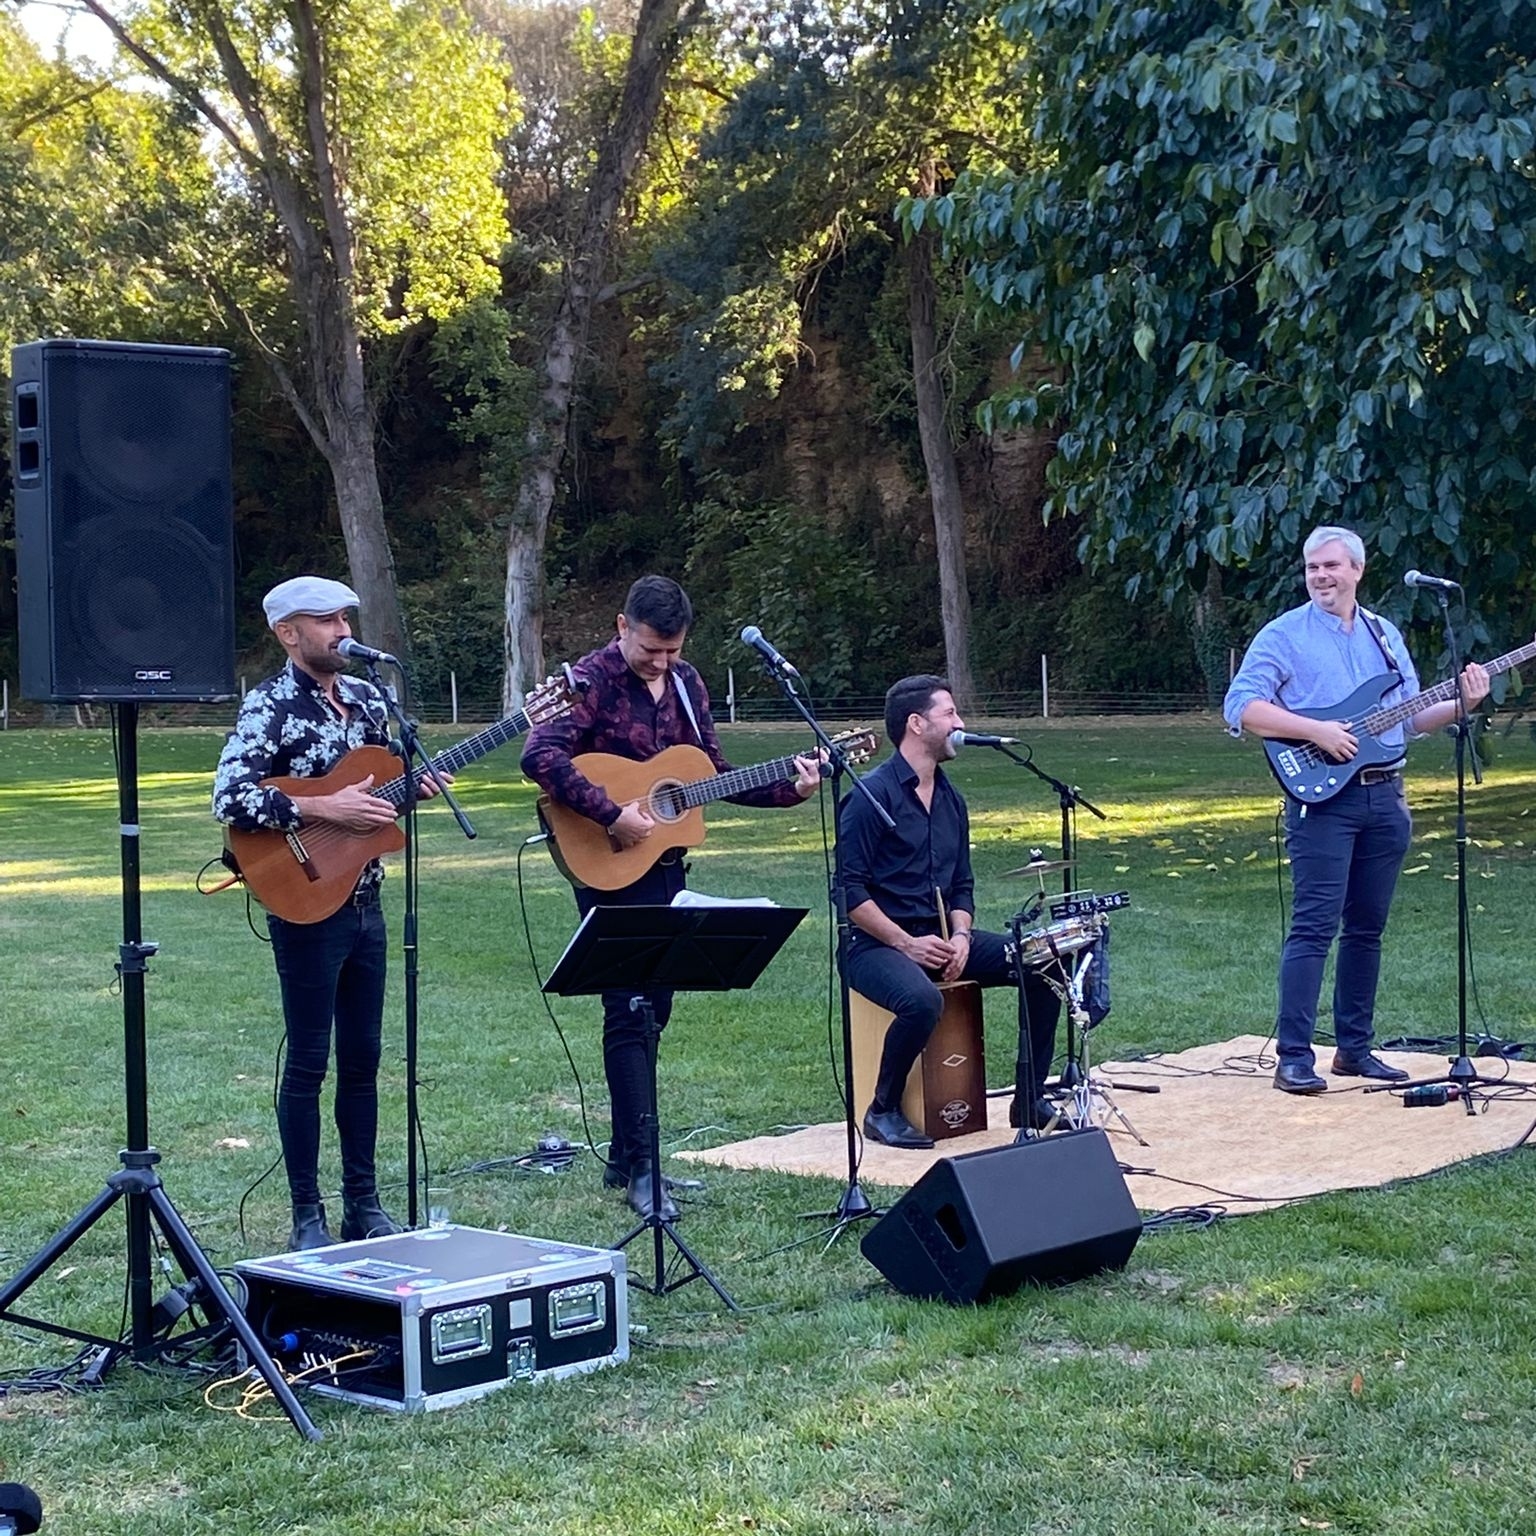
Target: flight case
[(440, 1316)]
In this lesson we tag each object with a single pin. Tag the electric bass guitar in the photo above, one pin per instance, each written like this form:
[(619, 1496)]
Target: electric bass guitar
[(304, 875), (1307, 774), (672, 788)]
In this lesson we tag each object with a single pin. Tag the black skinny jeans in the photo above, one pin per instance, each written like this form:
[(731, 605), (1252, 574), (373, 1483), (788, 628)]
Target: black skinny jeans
[(331, 974), (625, 1060)]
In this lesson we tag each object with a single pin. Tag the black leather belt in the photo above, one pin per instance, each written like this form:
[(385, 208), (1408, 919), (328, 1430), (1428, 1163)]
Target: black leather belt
[(1379, 775)]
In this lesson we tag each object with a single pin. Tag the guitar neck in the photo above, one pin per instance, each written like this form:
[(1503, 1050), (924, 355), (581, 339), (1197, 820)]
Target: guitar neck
[(723, 785), (1384, 719), (460, 756)]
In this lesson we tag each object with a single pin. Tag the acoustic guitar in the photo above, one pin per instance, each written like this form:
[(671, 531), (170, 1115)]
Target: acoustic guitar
[(1307, 774), (304, 875), (672, 788)]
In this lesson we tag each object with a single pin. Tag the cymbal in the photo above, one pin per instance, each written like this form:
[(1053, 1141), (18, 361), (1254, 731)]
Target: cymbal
[(1041, 867)]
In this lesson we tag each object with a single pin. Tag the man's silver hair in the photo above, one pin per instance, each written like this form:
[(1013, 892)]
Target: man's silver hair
[(1346, 536)]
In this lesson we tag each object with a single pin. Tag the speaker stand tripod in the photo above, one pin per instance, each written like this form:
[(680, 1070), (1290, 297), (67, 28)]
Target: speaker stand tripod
[(138, 1184)]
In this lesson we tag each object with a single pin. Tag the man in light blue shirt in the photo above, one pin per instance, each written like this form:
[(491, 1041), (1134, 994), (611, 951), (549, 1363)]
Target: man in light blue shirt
[(1346, 851)]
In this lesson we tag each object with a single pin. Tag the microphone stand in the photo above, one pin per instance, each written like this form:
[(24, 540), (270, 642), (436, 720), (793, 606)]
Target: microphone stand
[(1461, 1072), (853, 1205), (1069, 798), (407, 747)]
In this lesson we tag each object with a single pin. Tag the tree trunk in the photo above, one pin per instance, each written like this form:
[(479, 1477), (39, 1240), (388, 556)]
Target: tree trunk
[(939, 458), (658, 31), (332, 400)]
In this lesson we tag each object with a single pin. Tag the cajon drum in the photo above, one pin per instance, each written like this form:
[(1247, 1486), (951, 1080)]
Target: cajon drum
[(946, 1093)]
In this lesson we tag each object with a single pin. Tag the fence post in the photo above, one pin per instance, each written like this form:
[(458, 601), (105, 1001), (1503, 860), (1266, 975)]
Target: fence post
[(1045, 689), (1231, 662), (453, 695), (730, 692), (5, 703)]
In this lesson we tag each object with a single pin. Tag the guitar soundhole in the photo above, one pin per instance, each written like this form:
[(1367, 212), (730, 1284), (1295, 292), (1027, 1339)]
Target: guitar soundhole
[(667, 802)]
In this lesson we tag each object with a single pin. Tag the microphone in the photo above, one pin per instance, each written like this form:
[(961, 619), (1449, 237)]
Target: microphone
[(958, 739), (21, 1511), (765, 648), (360, 652), (1435, 583)]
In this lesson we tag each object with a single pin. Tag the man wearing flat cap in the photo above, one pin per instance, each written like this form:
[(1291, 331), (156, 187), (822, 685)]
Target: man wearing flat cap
[(301, 723)]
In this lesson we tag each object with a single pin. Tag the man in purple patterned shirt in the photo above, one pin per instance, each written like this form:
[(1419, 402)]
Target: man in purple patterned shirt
[(641, 698)]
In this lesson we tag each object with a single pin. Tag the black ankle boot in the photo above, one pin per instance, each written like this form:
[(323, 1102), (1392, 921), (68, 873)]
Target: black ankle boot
[(365, 1217), (309, 1229)]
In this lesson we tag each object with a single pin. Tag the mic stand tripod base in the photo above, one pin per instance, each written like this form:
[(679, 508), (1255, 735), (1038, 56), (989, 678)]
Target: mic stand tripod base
[(1461, 1073)]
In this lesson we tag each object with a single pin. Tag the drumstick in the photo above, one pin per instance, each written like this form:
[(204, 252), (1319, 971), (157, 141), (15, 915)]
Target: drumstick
[(938, 897)]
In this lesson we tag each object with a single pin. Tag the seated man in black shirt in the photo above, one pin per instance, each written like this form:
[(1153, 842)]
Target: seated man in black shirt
[(897, 883)]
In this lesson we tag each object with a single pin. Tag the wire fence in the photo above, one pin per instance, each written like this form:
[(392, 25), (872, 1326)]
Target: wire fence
[(1027, 704)]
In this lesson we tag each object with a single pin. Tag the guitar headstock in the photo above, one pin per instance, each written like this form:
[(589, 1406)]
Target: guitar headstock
[(857, 746), (555, 696)]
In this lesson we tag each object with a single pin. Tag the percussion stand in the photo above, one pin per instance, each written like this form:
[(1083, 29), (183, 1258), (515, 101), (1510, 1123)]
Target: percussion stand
[(1069, 798), (1092, 1103)]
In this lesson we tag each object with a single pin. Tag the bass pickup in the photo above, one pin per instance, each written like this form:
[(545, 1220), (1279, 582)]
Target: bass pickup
[(1086, 904)]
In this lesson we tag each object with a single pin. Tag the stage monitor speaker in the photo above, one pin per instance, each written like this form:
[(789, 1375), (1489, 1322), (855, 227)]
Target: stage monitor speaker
[(982, 1225), (124, 521)]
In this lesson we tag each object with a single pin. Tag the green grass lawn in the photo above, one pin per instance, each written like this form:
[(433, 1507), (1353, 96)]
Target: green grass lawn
[(1360, 1363)]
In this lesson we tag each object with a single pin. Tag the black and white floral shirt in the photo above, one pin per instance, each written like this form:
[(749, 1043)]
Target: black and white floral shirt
[(287, 727)]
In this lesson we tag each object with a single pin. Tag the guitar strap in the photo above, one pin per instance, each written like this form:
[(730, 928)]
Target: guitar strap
[(1373, 624), (687, 703)]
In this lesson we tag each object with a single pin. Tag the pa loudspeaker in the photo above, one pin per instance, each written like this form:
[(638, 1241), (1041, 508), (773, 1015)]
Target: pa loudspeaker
[(124, 521), (982, 1225)]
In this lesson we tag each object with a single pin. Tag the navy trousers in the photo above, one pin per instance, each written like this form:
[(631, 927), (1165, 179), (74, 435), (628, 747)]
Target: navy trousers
[(624, 1050), (889, 979), (332, 978), (1345, 855)]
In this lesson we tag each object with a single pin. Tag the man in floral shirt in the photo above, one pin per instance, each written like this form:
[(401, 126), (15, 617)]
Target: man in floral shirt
[(301, 723), (640, 698)]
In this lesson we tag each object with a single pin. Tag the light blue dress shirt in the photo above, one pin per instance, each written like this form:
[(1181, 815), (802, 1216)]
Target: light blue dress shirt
[(1306, 659)]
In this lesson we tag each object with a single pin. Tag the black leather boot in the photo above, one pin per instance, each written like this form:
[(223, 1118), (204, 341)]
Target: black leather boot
[(309, 1229), (365, 1217)]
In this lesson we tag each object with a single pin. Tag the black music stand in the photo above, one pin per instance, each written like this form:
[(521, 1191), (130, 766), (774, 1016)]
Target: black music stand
[(678, 949)]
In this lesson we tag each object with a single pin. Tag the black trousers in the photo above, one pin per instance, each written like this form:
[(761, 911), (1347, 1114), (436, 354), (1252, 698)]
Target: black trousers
[(332, 978), (624, 1048), (889, 979)]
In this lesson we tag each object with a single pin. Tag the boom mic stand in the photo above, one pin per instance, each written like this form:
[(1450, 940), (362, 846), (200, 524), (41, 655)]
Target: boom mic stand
[(1069, 798), (406, 748), (853, 1204), (138, 1184), (1461, 1072)]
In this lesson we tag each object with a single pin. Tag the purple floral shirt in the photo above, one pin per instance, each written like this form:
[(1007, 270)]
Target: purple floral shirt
[(617, 714)]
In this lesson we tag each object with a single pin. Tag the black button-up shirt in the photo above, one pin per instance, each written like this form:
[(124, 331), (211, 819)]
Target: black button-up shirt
[(929, 850)]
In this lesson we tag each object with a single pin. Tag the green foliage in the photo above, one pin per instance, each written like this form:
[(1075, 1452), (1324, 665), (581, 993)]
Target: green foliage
[(101, 192), (1283, 258), (832, 607)]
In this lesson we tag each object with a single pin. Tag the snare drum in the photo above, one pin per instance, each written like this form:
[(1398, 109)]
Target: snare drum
[(1040, 946)]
